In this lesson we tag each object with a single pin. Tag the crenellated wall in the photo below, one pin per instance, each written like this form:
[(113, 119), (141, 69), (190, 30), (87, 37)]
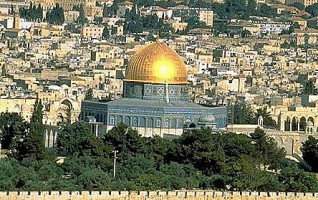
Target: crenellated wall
[(157, 195)]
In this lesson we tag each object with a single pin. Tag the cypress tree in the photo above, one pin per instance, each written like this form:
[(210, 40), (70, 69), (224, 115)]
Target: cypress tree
[(105, 32), (55, 15), (33, 144)]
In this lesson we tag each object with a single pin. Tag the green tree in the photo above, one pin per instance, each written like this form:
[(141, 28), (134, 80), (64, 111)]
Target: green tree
[(33, 13), (137, 38), (105, 32), (12, 11), (76, 139), (266, 11), (55, 15), (194, 22), (177, 175), (235, 145), (89, 94), (126, 140), (8, 174), (39, 12), (246, 33), (94, 180), (297, 180), (81, 18), (12, 128), (266, 150), (298, 5), (33, 144), (203, 150), (309, 88), (312, 9), (268, 120), (105, 10), (98, 20), (236, 9), (220, 9), (309, 150), (247, 176), (251, 7), (243, 114)]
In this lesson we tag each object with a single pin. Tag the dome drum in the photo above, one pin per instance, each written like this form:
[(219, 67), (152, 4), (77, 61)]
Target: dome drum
[(149, 91)]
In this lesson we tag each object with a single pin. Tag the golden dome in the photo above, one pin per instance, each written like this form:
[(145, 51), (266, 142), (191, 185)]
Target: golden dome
[(156, 63)]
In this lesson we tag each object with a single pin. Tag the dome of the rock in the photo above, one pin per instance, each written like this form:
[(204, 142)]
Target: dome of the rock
[(156, 63)]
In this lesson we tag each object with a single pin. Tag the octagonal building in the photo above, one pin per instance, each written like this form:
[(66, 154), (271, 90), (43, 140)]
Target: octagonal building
[(155, 98)]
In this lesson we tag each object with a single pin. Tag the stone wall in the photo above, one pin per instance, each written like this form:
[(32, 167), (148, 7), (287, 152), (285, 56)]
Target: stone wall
[(157, 195)]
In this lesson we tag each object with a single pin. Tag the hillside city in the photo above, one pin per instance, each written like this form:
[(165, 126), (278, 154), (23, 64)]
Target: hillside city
[(232, 106)]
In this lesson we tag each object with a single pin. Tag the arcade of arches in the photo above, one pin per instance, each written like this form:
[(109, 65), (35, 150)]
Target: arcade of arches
[(298, 122)]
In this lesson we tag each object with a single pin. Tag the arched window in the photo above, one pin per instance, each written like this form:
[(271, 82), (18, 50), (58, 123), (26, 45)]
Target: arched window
[(119, 119), (101, 118), (127, 121), (143, 122), (158, 123), (112, 120), (173, 123), (135, 122), (167, 123), (151, 123)]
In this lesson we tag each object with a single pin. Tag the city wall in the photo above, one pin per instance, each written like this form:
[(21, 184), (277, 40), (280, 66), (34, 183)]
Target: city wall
[(157, 195)]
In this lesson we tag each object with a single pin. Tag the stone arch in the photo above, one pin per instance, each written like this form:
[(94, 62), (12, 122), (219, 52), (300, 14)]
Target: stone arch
[(127, 121), (102, 118), (46, 138), (151, 122), (192, 125), (112, 120), (303, 122), (17, 109), (167, 123), (66, 109), (311, 119), (289, 146), (294, 124), (143, 122), (280, 142), (55, 138), (158, 123), (51, 139), (287, 124), (260, 121), (67, 102), (135, 122), (173, 123), (119, 119), (309, 130)]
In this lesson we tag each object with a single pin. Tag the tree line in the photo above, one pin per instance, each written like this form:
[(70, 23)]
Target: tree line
[(197, 159), (135, 23), (33, 13), (54, 15)]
